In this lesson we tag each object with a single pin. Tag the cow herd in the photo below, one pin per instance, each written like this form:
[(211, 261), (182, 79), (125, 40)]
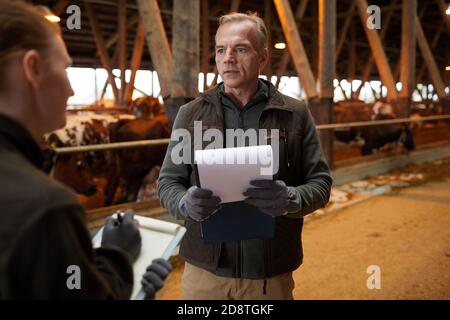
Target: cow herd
[(122, 171), (125, 172), (372, 138)]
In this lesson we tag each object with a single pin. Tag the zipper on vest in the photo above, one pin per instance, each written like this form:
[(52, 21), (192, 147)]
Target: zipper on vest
[(286, 149)]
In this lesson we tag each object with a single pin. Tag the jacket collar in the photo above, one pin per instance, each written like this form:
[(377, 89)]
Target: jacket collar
[(276, 99), (15, 136)]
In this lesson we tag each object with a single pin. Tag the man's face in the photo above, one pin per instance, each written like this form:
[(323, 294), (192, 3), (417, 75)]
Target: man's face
[(54, 88), (238, 59)]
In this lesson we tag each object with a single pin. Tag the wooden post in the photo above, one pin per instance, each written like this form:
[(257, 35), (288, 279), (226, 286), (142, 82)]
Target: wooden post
[(429, 60), (205, 41), (408, 58), (285, 58), (343, 31), (368, 66), (185, 45), (340, 44), (100, 43), (408, 50), (433, 45), (113, 60), (122, 18), (157, 42), (234, 5), (314, 48), (399, 61), (378, 52), (326, 73), (352, 61), (296, 48), (397, 66), (136, 59), (268, 22), (327, 45)]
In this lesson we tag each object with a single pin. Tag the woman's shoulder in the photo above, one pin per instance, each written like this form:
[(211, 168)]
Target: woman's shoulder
[(23, 183)]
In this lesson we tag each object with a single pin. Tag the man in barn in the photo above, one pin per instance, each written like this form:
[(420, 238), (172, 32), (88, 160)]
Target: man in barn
[(45, 246), (256, 268)]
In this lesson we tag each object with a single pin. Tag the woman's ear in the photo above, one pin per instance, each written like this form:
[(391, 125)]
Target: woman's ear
[(32, 67)]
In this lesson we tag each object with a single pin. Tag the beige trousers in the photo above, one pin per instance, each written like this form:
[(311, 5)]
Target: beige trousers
[(199, 284)]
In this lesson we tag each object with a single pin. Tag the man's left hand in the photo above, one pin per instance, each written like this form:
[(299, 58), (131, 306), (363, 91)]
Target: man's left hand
[(273, 197)]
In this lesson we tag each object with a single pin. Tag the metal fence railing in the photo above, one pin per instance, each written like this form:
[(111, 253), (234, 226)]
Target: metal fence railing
[(146, 143), (379, 122)]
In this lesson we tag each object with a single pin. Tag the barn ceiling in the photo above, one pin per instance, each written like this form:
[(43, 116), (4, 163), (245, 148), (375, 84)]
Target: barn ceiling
[(82, 47)]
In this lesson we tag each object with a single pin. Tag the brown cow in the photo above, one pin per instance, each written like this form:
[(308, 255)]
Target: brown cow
[(78, 170), (146, 108), (375, 137), (130, 166)]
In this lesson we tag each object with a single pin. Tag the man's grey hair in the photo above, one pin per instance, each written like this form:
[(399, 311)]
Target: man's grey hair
[(252, 17)]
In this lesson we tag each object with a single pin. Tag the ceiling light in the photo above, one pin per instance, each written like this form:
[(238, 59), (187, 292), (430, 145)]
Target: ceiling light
[(280, 45), (52, 18)]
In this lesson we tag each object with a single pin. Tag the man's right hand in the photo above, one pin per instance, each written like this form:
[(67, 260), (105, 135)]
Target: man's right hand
[(199, 203), (123, 234)]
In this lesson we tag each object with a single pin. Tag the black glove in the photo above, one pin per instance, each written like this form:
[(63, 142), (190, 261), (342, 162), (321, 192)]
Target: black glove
[(199, 203), (273, 197), (123, 232), (153, 278)]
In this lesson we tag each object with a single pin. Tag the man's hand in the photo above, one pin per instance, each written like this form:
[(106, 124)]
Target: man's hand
[(199, 203), (153, 278), (273, 197), (123, 232)]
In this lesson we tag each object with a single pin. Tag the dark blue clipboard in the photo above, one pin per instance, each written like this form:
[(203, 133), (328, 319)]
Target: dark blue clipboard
[(236, 221)]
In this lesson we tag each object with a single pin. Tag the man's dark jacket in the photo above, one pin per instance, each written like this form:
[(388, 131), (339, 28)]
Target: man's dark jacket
[(301, 164), (43, 232)]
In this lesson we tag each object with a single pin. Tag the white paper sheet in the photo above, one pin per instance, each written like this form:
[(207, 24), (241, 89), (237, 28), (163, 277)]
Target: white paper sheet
[(159, 239), (228, 172)]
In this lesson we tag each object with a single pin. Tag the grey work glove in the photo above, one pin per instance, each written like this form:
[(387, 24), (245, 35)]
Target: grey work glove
[(153, 278), (273, 197), (199, 203), (123, 232)]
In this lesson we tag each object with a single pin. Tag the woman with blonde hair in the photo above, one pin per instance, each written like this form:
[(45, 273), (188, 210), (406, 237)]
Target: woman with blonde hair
[(45, 247)]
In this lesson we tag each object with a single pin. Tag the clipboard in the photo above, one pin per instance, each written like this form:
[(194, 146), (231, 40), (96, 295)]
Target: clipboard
[(159, 240), (227, 172), (236, 220)]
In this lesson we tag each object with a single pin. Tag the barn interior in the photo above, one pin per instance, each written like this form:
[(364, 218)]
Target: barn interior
[(343, 57), (377, 64)]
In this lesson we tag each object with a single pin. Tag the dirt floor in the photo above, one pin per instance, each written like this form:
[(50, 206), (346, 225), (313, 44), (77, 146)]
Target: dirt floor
[(406, 233)]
